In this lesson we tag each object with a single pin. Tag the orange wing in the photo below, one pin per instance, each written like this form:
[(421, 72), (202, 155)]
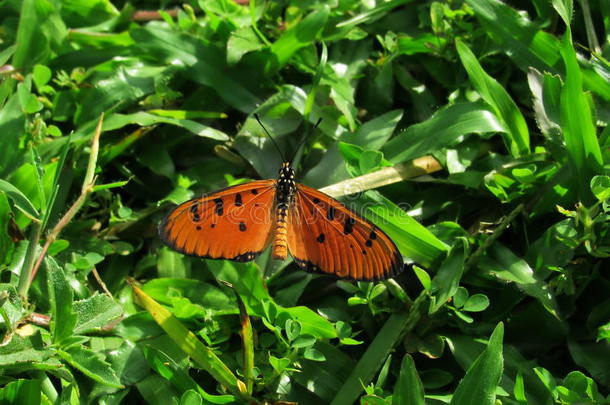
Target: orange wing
[(234, 223), (324, 235)]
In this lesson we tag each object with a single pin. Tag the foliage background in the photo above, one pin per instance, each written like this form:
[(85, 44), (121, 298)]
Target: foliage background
[(510, 302)]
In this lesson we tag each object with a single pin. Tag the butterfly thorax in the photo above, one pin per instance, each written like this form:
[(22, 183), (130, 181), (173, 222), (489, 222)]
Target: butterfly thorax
[(284, 197)]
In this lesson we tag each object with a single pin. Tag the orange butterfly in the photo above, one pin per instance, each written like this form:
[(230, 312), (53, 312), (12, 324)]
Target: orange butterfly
[(320, 233)]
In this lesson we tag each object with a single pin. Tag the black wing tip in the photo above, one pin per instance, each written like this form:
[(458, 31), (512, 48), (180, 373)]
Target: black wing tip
[(396, 268)]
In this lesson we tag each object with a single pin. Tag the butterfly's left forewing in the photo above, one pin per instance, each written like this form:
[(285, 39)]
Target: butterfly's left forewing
[(324, 235), (235, 223)]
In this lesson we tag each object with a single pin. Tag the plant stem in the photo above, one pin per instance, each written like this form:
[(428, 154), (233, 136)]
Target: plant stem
[(88, 183), (27, 269), (383, 177)]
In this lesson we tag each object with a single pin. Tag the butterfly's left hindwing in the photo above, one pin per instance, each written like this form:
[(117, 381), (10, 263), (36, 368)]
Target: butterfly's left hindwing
[(325, 236), (234, 223)]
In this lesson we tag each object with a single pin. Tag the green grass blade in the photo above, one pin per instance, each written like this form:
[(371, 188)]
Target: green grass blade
[(447, 279), (517, 138), (247, 341), (375, 355), (409, 389), (20, 200), (167, 368), (372, 13), (523, 40), (411, 237), (482, 378), (189, 344), (577, 120)]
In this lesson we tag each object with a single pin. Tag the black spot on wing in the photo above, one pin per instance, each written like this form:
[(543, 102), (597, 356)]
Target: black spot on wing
[(254, 191), (348, 227), (238, 201), (242, 227), (368, 243), (321, 238), (219, 206), (330, 214)]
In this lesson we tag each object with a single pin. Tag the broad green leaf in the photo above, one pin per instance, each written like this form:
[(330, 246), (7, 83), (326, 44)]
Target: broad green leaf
[(117, 121), (11, 306), (600, 186), (311, 323), (408, 389), (483, 376), (91, 364), (12, 125), (476, 303), (191, 397), (311, 353), (23, 350), (95, 312), (523, 40), (40, 29), (171, 264), (504, 264), (156, 390), (63, 318), (547, 379), (84, 13), (6, 243), (204, 64), (301, 35), (591, 357), (205, 294), (517, 137), (371, 135), (240, 42), (446, 127), (22, 392)]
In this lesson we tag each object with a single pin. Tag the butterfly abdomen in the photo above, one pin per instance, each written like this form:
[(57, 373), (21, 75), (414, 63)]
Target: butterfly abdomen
[(284, 198), (280, 243)]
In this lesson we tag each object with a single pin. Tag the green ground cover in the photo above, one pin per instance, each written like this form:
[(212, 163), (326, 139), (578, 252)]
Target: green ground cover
[(488, 120)]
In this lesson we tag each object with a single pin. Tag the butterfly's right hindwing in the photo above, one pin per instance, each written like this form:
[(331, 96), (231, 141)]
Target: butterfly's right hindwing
[(325, 236)]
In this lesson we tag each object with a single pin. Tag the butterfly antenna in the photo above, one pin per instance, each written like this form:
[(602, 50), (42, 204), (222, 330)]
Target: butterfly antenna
[(302, 142), (270, 137)]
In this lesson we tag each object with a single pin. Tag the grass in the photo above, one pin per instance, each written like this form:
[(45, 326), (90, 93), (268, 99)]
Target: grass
[(475, 133)]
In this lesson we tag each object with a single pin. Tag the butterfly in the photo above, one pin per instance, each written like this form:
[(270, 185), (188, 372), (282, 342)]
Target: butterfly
[(320, 233)]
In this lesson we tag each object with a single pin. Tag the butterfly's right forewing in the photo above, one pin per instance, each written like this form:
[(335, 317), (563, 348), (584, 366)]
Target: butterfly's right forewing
[(235, 223)]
